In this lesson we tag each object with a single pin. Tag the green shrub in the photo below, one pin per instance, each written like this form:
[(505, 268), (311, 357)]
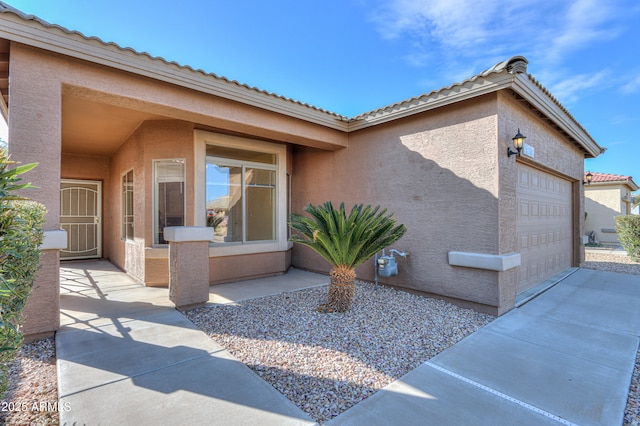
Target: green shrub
[(628, 229), (20, 236)]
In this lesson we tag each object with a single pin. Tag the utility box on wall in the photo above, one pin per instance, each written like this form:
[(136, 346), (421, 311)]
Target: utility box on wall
[(387, 266)]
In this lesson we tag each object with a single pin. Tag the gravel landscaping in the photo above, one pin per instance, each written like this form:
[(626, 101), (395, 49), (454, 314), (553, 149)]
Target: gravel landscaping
[(326, 363), (32, 396), (322, 362)]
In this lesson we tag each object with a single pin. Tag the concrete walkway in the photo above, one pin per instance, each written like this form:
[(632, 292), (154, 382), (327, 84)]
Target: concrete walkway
[(126, 357)]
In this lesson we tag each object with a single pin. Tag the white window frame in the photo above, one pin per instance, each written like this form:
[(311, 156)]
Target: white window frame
[(123, 212), (201, 140)]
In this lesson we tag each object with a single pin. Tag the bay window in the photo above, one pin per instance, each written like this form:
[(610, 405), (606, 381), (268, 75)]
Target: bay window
[(241, 192)]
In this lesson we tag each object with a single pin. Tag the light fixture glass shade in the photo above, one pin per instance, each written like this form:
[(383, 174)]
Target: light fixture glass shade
[(518, 140), (589, 177)]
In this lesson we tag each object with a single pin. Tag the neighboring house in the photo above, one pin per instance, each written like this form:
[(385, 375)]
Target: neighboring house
[(129, 144), (606, 197)]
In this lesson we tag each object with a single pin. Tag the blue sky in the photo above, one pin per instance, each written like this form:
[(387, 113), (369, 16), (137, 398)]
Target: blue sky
[(353, 56)]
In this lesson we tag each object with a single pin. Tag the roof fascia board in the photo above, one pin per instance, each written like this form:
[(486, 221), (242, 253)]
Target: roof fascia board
[(54, 39), (533, 94), (467, 90), (626, 182)]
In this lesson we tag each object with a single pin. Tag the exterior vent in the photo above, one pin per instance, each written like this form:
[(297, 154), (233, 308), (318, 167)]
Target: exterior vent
[(517, 66)]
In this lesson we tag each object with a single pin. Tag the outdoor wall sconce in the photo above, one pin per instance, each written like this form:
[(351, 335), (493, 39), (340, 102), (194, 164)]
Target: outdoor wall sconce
[(518, 143), (589, 178)]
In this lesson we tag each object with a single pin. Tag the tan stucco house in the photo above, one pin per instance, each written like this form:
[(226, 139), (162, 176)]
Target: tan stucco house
[(605, 197), (136, 152)]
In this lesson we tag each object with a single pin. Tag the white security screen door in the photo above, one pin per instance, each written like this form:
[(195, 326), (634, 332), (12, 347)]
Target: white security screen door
[(81, 217)]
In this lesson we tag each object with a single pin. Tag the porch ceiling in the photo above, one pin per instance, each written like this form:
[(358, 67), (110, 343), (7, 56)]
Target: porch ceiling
[(94, 128)]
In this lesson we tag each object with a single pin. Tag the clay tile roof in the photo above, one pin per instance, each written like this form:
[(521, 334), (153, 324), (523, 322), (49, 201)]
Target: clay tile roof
[(612, 178), (515, 64)]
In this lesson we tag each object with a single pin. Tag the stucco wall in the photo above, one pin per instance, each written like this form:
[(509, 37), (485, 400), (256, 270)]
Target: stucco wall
[(445, 174), (222, 269), (603, 203), (553, 154), (128, 255), (438, 173), (42, 309), (35, 127), (234, 268), (153, 140)]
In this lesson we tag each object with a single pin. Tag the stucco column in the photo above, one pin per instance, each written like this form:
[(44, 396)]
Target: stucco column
[(188, 265), (42, 311), (35, 136)]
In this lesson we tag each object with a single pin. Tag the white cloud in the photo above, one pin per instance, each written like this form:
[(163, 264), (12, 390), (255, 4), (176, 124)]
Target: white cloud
[(568, 90), (453, 23), (633, 86), (585, 22), (464, 30), (456, 39)]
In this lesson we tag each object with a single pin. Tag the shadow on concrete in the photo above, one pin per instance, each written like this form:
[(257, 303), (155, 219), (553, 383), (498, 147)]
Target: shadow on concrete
[(117, 350)]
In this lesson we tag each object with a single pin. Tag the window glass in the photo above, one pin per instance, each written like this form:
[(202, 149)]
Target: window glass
[(224, 202), (241, 194), (261, 204), (169, 196), (127, 206)]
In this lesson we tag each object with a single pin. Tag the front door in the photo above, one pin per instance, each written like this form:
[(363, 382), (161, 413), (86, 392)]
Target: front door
[(80, 216)]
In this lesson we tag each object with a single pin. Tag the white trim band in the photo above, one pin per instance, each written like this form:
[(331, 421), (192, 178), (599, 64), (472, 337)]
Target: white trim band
[(180, 234), (492, 262), (54, 240)]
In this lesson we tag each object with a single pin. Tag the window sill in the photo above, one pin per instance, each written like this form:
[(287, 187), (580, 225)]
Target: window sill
[(226, 250), (220, 249)]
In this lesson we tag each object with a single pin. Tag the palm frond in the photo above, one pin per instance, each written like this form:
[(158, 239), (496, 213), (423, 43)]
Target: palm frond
[(343, 239)]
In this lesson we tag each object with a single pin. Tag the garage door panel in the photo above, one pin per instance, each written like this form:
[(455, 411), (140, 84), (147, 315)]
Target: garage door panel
[(544, 225)]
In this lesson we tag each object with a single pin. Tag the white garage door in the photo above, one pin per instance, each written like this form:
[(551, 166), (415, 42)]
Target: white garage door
[(544, 225)]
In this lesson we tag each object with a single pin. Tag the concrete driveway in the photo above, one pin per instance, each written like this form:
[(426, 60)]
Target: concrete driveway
[(566, 357)]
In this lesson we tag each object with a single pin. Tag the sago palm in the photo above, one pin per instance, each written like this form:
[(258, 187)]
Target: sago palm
[(345, 241)]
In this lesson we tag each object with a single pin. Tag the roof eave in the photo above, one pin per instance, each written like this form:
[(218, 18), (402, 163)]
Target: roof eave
[(627, 182), (469, 89), (33, 33), (533, 93), (520, 83)]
